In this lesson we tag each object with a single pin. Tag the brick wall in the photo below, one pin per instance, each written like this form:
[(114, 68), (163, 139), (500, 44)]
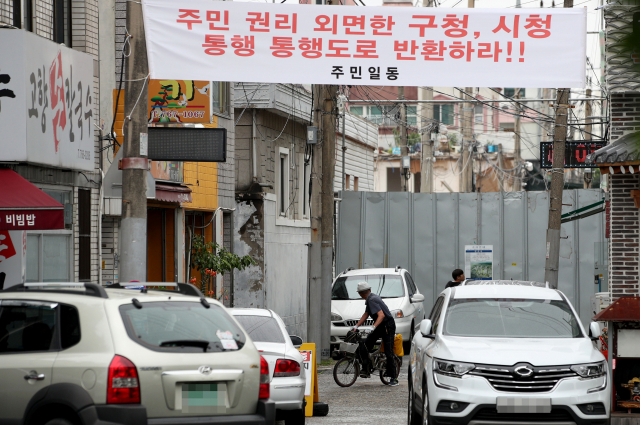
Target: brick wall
[(625, 114), (624, 238)]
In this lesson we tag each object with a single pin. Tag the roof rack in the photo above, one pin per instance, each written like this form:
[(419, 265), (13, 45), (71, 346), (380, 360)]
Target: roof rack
[(398, 268), (348, 270), (182, 288), (470, 282), (91, 289)]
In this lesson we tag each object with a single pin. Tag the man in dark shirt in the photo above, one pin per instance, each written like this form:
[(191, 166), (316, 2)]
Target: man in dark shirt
[(384, 328), (458, 278)]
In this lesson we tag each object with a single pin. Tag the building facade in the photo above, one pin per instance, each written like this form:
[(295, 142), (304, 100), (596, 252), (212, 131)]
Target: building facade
[(49, 62)]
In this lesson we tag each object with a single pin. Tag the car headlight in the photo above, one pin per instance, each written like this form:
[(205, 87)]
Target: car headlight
[(590, 370), (335, 317), (397, 314), (457, 369)]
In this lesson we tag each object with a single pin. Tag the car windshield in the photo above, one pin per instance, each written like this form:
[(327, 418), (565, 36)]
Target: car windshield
[(385, 285), (179, 326), (511, 318), (261, 328)]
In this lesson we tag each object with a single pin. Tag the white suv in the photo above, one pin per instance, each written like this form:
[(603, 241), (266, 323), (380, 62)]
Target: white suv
[(394, 286), (80, 354), (506, 352)]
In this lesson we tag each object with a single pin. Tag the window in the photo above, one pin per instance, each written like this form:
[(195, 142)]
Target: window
[(478, 119), (355, 184), (48, 257), (262, 328), (347, 182), (62, 22), (443, 113), (478, 108), (17, 13), (356, 110), (435, 315), (511, 318), (182, 327), (410, 284), (27, 326), (220, 97), (507, 126), (283, 183), (412, 115), (385, 285), (512, 92), (64, 197)]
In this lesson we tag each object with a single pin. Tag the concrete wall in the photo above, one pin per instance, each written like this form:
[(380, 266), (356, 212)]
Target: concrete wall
[(279, 280)]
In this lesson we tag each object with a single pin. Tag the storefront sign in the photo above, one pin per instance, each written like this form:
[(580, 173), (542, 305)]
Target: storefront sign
[(286, 43), (179, 101), (575, 154), (46, 102)]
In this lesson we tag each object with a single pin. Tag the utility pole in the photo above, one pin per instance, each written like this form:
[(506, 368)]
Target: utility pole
[(518, 139), (328, 210), (552, 262), (466, 166), (404, 151), (501, 165), (467, 135), (314, 316), (427, 159), (133, 227), (588, 177)]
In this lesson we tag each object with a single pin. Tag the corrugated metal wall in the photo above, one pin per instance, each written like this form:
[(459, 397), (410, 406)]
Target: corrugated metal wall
[(426, 234)]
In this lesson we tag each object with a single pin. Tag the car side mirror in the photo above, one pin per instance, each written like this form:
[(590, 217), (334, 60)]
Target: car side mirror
[(296, 340), (594, 331), (425, 329), (417, 298)]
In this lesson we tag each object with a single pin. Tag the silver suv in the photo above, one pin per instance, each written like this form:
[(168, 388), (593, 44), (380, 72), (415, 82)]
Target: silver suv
[(77, 353)]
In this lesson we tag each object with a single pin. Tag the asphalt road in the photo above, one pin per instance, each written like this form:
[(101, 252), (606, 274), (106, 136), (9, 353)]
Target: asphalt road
[(365, 402)]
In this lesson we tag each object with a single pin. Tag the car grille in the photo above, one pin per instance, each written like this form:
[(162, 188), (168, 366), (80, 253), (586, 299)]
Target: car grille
[(491, 414), (368, 322), (505, 378)]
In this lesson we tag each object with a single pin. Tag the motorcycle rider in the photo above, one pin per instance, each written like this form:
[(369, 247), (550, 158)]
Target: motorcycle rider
[(384, 328)]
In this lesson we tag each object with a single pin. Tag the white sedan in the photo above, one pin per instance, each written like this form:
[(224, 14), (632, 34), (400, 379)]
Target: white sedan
[(269, 334)]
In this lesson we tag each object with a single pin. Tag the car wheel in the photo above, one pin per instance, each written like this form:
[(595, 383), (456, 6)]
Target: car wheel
[(294, 417), (58, 422), (426, 417)]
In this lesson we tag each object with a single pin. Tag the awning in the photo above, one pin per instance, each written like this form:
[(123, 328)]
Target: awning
[(172, 192), (23, 206)]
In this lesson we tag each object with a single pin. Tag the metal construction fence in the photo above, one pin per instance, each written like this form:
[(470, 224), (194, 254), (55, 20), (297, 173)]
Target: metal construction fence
[(427, 234)]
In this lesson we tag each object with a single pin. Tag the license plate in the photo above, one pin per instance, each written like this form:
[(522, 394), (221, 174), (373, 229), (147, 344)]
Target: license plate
[(523, 405), (204, 398)]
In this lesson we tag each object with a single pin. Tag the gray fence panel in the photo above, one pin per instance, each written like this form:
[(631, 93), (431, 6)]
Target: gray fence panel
[(491, 229), (537, 220), (426, 233), (398, 235), (424, 254), (374, 249), (349, 250), (447, 240)]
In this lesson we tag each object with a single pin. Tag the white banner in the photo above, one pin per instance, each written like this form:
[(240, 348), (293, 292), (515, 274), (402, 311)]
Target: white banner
[(291, 43)]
